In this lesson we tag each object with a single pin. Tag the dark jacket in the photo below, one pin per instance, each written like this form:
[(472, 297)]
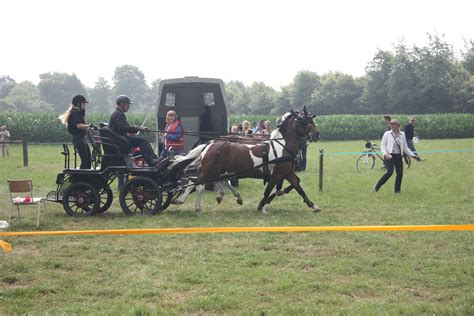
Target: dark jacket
[(409, 131), (75, 117), (118, 123)]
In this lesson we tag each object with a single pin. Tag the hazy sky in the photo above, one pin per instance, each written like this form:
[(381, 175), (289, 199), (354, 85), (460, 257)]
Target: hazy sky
[(256, 40)]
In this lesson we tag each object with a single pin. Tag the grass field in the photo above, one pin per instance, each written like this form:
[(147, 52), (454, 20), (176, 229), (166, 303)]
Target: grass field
[(365, 273)]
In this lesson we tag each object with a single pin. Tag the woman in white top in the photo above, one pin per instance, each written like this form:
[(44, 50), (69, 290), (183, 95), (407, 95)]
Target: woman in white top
[(393, 147)]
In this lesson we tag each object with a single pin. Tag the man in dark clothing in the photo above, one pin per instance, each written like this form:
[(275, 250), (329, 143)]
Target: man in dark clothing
[(410, 134), (118, 123)]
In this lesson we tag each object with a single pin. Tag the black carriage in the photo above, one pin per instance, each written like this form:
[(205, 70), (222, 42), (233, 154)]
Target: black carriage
[(202, 105)]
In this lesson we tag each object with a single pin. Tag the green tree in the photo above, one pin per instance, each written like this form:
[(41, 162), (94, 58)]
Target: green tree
[(25, 97), (403, 83), (129, 80), (378, 73), (339, 93), (468, 56), (6, 85), (262, 98), (58, 89), (283, 101), (436, 69), (304, 85), (239, 97), (100, 97)]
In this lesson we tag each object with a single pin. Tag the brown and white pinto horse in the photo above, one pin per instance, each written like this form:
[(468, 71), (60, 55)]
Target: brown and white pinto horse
[(249, 161)]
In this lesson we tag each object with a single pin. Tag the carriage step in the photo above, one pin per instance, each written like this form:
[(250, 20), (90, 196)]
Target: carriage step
[(52, 197)]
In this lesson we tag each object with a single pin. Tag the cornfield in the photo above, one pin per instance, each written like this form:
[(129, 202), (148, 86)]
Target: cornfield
[(46, 128)]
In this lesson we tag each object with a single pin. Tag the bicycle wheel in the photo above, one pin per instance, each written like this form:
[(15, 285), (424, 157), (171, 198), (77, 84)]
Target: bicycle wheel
[(365, 162)]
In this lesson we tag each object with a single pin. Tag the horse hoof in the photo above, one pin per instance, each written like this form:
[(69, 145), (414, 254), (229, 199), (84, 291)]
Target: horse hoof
[(177, 202), (315, 208), (280, 193), (198, 210), (219, 200), (239, 201)]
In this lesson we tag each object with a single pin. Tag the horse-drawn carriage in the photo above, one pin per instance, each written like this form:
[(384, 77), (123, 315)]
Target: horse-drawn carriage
[(149, 190), (202, 103)]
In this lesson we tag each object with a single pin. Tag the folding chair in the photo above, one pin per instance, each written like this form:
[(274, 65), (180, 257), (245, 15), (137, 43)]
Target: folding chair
[(24, 186)]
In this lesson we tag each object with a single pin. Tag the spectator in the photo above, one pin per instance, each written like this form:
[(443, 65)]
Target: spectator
[(246, 130), (174, 135), (4, 137), (234, 129), (386, 120), (240, 128), (268, 128), (410, 134), (74, 119), (393, 146)]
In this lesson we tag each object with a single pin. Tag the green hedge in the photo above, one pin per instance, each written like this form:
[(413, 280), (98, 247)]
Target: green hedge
[(46, 128)]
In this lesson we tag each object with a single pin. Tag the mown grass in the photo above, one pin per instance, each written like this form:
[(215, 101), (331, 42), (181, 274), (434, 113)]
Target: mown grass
[(254, 273)]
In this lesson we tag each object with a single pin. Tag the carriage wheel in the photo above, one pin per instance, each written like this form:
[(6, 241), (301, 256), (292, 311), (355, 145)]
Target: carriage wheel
[(365, 162), (166, 203), (141, 195), (106, 198), (81, 199)]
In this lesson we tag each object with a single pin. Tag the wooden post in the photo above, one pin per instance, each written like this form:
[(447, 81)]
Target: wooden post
[(321, 169), (25, 150)]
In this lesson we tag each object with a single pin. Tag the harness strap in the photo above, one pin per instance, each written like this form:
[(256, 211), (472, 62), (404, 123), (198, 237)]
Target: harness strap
[(266, 172)]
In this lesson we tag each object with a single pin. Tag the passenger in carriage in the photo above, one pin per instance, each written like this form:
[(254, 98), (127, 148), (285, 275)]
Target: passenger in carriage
[(173, 137), (74, 119), (118, 123)]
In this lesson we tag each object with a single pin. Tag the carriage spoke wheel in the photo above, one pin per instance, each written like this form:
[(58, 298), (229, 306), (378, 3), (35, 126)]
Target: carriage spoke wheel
[(141, 195), (81, 199), (365, 162), (106, 198), (166, 203)]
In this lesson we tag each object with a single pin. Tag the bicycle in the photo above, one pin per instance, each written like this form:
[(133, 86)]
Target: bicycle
[(366, 161)]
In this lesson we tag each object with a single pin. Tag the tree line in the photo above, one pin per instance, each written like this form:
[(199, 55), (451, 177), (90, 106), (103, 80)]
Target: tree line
[(426, 79)]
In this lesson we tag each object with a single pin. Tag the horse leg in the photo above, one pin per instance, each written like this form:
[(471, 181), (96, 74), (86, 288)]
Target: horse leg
[(280, 193), (234, 192), (295, 182), (220, 192), (197, 204), (271, 184), (187, 191)]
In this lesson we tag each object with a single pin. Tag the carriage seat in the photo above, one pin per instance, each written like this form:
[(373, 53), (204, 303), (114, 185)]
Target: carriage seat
[(116, 149)]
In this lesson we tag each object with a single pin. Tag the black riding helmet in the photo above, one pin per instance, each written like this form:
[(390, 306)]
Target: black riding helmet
[(78, 99), (123, 99)]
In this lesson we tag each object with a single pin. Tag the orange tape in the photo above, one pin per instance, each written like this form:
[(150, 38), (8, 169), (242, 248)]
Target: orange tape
[(194, 230)]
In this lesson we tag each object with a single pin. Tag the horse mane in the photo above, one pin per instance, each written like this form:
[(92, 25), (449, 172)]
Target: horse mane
[(283, 126)]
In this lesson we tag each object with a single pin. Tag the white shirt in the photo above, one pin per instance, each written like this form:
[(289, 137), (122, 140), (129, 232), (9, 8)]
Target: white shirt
[(389, 146)]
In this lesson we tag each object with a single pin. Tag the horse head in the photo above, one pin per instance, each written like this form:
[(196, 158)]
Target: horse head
[(306, 127)]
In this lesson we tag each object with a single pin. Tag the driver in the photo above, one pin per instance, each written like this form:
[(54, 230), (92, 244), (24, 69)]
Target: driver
[(118, 123)]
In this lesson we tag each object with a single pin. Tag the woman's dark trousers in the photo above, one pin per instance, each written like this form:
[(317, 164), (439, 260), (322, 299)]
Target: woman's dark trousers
[(83, 151), (397, 163)]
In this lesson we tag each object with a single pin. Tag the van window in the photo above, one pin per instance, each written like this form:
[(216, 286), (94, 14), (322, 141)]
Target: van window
[(170, 97), (209, 99)]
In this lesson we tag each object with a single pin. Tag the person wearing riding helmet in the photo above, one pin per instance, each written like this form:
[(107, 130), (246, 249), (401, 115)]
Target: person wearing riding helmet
[(74, 119), (118, 123)]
